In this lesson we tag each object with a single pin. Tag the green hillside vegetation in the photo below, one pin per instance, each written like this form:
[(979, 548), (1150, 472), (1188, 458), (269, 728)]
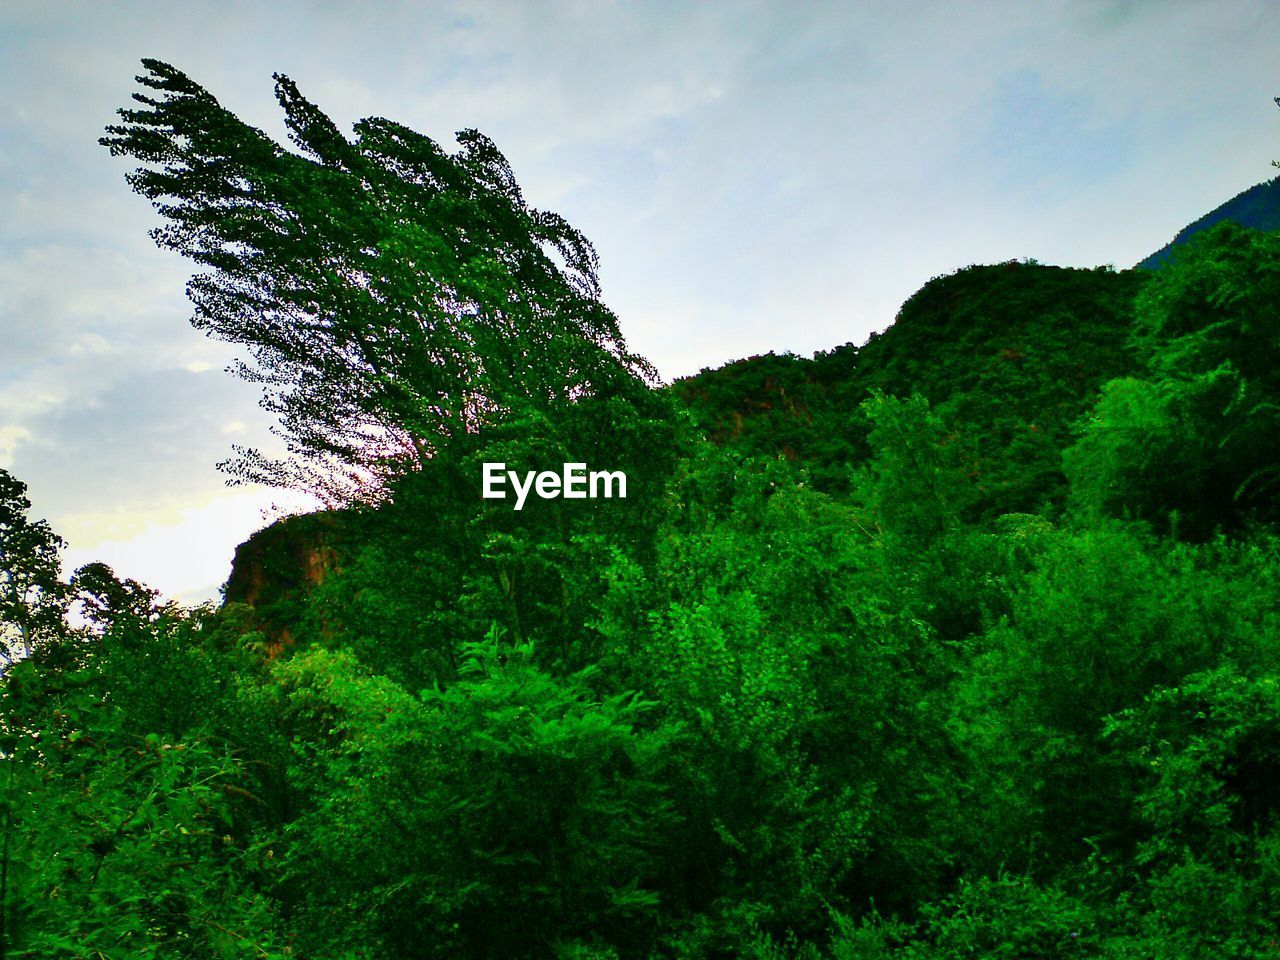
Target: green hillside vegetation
[(962, 643), (1011, 355)]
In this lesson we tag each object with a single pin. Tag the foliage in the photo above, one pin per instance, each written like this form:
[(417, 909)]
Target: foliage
[(961, 643), (391, 295), (32, 595), (1192, 442), (1010, 355), (505, 815), (131, 827)]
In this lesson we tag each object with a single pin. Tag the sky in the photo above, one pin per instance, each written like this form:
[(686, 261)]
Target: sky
[(756, 176)]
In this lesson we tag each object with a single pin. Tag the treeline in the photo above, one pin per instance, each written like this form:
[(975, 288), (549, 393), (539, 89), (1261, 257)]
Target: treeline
[(960, 644)]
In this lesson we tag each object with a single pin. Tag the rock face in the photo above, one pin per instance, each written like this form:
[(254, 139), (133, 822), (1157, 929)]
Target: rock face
[(277, 570)]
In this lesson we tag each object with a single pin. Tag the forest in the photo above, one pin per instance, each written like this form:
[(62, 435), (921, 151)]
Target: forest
[(960, 643)]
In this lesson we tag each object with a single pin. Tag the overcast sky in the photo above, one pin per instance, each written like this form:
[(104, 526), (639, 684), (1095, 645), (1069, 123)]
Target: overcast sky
[(756, 176)]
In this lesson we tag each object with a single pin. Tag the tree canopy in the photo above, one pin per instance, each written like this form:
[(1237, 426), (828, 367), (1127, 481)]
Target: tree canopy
[(32, 595), (391, 295)]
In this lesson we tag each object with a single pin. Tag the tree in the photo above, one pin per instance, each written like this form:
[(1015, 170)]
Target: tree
[(126, 807), (512, 814), (105, 600), (391, 295), (1197, 433), (32, 594)]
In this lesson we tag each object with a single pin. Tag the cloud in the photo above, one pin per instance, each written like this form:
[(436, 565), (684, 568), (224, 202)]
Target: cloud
[(152, 439), (10, 437), (756, 176), (184, 553)]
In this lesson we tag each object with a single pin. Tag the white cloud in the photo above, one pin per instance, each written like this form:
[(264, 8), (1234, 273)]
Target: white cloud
[(756, 176), (185, 552), (10, 437)]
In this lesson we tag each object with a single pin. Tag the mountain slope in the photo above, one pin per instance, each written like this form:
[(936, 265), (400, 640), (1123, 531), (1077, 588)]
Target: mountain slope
[(1258, 207)]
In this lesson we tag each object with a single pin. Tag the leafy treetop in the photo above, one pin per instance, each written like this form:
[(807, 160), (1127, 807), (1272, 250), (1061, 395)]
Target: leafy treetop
[(392, 296)]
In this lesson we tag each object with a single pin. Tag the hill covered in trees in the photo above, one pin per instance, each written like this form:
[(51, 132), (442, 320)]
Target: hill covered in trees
[(1010, 354), (964, 642)]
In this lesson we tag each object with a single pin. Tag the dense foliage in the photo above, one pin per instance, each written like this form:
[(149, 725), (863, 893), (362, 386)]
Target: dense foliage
[(858, 669), (1011, 354)]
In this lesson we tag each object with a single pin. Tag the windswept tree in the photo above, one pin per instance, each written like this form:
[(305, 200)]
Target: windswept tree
[(391, 295)]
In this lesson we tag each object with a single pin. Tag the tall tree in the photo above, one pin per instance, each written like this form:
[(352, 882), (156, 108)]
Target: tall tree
[(391, 295), (32, 594)]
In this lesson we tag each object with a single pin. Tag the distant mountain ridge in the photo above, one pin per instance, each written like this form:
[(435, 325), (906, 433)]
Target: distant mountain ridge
[(1258, 207)]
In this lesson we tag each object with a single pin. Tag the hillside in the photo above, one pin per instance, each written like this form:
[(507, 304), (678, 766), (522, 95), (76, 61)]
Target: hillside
[(1011, 354)]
